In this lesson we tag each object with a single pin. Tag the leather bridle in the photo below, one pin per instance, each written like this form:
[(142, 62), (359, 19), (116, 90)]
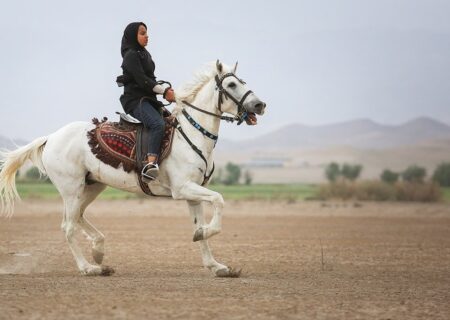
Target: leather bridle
[(242, 113)]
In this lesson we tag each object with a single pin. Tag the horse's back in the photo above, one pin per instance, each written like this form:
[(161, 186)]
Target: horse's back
[(76, 128), (65, 149), (69, 140)]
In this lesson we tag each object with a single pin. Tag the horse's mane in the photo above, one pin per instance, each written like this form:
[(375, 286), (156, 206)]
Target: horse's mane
[(189, 90)]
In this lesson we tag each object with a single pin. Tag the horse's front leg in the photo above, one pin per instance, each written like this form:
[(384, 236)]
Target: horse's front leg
[(193, 192), (218, 269)]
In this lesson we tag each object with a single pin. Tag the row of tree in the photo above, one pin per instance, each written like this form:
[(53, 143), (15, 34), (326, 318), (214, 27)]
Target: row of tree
[(441, 174), (232, 174), (334, 171)]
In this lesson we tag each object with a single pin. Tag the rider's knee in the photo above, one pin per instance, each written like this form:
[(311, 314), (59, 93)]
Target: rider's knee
[(157, 125)]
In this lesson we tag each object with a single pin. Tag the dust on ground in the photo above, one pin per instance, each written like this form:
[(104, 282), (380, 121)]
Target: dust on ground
[(300, 260)]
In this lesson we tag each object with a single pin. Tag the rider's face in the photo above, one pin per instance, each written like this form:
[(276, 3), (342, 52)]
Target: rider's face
[(142, 36)]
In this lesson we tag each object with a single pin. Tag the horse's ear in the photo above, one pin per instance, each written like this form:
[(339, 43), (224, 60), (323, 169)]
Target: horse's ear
[(219, 66), (235, 67)]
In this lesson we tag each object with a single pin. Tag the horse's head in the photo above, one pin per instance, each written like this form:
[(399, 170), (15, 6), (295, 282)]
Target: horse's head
[(234, 97)]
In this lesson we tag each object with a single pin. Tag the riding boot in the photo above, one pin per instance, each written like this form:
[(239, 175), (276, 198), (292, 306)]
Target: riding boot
[(150, 172), (151, 169)]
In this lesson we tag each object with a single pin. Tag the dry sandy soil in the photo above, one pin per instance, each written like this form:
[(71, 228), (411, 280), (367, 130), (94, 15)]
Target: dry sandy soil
[(380, 261)]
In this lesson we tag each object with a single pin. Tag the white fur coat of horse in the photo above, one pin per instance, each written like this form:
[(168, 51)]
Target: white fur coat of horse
[(65, 157)]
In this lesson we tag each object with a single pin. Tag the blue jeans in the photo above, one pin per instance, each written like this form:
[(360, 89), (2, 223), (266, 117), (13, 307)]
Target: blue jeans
[(154, 122)]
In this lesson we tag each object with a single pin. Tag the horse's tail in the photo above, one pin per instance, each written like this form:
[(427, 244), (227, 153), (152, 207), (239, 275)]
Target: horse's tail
[(10, 162)]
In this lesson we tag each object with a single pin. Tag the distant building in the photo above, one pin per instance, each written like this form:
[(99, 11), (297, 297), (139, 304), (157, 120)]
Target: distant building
[(267, 162)]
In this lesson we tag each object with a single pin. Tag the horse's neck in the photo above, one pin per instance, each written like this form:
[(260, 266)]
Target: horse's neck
[(204, 100)]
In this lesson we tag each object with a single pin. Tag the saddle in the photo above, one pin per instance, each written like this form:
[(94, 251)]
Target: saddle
[(124, 143)]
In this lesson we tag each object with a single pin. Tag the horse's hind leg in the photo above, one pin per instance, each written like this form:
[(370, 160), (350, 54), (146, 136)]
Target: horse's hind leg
[(72, 214), (98, 239), (76, 198)]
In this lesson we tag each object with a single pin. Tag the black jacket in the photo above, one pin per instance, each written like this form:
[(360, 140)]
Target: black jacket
[(138, 71)]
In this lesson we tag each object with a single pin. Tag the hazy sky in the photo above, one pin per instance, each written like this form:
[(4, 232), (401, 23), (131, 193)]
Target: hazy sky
[(313, 62)]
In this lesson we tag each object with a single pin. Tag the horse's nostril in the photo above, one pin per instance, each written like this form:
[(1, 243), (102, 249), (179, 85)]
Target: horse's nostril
[(259, 106)]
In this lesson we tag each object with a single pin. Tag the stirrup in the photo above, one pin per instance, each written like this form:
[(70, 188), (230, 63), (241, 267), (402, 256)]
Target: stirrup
[(150, 172)]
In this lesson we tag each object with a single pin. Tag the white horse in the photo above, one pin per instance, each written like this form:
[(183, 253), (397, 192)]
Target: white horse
[(66, 158)]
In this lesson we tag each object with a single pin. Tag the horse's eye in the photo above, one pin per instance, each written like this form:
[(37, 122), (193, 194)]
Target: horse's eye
[(232, 85)]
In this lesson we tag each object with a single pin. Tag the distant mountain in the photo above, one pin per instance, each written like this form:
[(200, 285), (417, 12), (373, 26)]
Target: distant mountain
[(362, 134)]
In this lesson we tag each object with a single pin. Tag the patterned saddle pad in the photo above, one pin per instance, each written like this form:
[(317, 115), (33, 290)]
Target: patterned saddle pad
[(121, 143)]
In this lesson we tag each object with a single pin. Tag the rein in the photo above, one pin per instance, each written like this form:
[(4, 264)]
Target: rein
[(228, 119)]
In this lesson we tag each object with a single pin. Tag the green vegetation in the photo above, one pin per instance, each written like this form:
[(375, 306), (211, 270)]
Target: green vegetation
[(33, 174), (368, 190), (233, 174), (351, 172), (412, 187), (442, 174), (414, 174), (248, 177), (36, 190), (333, 172), (229, 175), (389, 176), (290, 192), (446, 194), (44, 190), (375, 190)]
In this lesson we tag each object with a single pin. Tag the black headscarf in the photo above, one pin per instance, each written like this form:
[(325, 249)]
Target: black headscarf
[(129, 39)]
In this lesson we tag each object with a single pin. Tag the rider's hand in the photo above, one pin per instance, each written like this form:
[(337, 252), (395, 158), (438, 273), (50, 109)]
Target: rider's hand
[(170, 95)]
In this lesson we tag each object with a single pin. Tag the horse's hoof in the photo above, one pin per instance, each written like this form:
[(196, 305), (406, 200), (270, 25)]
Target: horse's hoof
[(98, 256), (198, 235), (107, 271), (229, 273)]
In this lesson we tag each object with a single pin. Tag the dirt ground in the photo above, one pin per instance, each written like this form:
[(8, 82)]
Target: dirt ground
[(304, 260)]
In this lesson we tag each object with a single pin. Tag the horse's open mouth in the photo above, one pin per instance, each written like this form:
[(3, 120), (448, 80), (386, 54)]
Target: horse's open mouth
[(251, 119)]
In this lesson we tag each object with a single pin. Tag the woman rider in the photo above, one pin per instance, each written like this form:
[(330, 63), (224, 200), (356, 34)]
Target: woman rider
[(140, 90)]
